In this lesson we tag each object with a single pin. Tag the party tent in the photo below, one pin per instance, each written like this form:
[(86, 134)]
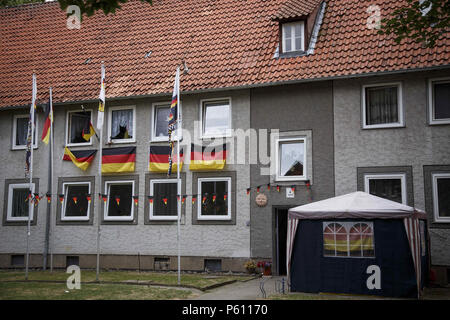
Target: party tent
[(357, 243)]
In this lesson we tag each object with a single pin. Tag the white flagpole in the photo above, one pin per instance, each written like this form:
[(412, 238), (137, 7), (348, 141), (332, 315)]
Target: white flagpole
[(30, 204), (177, 77), (100, 117), (51, 177)]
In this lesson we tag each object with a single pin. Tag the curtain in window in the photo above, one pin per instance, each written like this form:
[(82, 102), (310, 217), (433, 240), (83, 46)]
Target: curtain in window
[(122, 124), (78, 122), (21, 131), (19, 205), (163, 191), (161, 122), (381, 105)]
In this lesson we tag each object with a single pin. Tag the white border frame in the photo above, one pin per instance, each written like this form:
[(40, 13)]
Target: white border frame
[(117, 141), (11, 187), (153, 137), (434, 177), (63, 205), (283, 39), (374, 176), (105, 211), (431, 119), (229, 131), (277, 159), (200, 195), (400, 122), (69, 144), (13, 142), (159, 217)]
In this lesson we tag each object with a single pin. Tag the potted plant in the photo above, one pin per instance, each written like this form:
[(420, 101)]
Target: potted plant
[(266, 266), (250, 265)]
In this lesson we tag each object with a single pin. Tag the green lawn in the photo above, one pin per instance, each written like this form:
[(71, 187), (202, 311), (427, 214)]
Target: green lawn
[(59, 291), (199, 281)]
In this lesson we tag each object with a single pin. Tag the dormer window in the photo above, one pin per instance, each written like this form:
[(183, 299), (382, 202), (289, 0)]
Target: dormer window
[(293, 36)]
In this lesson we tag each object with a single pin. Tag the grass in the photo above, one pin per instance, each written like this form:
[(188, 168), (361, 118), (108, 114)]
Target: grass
[(199, 281), (59, 291)]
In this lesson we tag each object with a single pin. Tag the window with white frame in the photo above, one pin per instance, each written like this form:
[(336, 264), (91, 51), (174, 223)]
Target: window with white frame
[(291, 159), (382, 106), (20, 132), (78, 122), (293, 36), (18, 202), (164, 204), (160, 122), (214, 201), (119, 205), (387, 186), (441, 196), (122, 124), (348, 239), (439, 100), (216, 118), (75, 205)]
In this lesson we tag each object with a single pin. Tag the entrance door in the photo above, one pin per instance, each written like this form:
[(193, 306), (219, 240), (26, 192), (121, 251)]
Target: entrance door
[(280, 239)]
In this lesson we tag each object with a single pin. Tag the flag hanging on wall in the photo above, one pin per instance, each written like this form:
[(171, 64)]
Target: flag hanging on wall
[(207, 158), (159, 159), (81, 158), (101, 103), (47, 123), (118, 159), (173, 117)]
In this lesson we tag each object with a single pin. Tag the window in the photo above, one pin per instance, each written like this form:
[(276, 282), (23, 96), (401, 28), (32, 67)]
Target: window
[(20, 132), (348, 239), (18, 202), (160, 122), (216, 118), (76, 205), (291, 159), (119, 205), (122, 124), (382, 106), (164, 206), (387, 186), (293, 36), (441, 197), (439, 101), (77, 122), (214, 198)]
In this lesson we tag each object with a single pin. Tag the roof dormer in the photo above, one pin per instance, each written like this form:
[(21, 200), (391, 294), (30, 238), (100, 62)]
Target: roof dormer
[(299, 22)]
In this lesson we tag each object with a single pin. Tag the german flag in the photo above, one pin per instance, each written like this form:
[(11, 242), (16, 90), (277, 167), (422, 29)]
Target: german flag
[(48, 120), (159, 159), (88, 131), (208, 158), (118, 159), (81, 158)]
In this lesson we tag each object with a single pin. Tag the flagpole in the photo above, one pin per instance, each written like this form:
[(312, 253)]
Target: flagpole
[(49, 190), (30, 204), (51, 177), (100, 115), (178, 174)]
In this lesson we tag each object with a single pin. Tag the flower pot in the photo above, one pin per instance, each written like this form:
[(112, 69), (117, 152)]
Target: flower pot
[(267, 271)]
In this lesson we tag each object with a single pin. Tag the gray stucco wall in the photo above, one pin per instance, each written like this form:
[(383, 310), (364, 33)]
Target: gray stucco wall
[(303, 108), (145, 239), (417, 144)]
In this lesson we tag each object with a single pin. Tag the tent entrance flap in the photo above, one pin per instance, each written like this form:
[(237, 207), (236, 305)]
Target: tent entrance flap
[(280, 235)]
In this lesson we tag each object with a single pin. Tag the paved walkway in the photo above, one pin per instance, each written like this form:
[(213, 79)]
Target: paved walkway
[(248, 290)]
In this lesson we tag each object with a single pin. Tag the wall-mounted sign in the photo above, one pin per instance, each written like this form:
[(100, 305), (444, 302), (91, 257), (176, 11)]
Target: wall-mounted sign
[(290, 193)]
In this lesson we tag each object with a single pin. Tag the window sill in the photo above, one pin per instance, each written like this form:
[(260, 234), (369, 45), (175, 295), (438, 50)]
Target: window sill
[(121, 141), (124, 219), (163, 218), (293, 179), (292, 54), (213, 218), (22, 147), (83, 144), (79, 219), (439, 122), (383, 126)]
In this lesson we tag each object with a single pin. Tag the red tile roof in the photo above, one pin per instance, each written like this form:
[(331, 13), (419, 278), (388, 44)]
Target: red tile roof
[(295, 8), (226, 43)]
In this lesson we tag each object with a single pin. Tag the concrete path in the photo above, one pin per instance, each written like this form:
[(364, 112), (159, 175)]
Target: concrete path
[(248, 290)]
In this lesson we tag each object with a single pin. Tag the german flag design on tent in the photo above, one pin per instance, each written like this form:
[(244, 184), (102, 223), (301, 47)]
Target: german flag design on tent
[(208, 158), (81, 158), (159, 159), (118, 159)]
